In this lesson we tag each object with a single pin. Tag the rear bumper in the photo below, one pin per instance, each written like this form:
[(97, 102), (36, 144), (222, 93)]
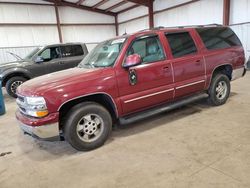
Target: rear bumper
[(238, 73), (48, 131)]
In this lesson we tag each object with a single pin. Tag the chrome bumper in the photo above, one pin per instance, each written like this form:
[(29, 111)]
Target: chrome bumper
[(238, 73), (48, 132)]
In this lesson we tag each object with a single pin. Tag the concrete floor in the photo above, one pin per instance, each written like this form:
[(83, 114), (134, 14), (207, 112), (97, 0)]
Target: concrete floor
[(195, 146)]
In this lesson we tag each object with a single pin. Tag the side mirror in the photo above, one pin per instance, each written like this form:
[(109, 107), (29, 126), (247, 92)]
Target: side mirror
[(39, 59), (132, 60)]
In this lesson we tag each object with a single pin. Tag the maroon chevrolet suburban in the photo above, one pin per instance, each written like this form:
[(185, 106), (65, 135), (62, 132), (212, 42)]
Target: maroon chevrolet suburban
[(129, 78)]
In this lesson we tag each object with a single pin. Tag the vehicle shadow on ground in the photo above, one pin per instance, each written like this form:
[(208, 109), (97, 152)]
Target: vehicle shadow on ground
[(163, 118), (61, 148)]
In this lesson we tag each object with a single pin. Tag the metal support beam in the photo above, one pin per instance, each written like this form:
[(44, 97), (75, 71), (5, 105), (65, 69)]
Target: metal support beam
[(116, 26), (140, 2), (151, 14), (58, 24), (80, 2), (226, 12), (82, 7)]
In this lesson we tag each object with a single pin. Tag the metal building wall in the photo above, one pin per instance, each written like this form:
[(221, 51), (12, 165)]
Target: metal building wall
[(201, 12), (90, 34), (21, 39), (240, 22)]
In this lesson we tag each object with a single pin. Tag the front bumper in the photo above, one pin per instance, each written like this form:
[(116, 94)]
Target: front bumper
[(238, 73), (48, 131)]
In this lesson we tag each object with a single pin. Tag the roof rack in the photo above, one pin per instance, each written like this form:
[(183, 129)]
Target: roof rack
[(186, 26)]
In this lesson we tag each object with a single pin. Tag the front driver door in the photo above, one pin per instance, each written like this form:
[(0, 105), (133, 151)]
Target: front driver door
[(51, 59), (149, 83)]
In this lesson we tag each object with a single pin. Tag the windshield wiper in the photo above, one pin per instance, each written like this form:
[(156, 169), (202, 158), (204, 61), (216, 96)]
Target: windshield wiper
[(15, 56)]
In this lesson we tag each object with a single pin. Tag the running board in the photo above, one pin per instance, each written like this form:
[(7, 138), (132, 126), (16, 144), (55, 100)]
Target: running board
[(151, 112)]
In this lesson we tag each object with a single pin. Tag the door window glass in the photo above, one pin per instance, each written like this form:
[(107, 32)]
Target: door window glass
[(50, 53), (71, 50), (181, 44), (149, 48)]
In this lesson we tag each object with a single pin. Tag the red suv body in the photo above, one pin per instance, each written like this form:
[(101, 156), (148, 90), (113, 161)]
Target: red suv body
[(126, 77)]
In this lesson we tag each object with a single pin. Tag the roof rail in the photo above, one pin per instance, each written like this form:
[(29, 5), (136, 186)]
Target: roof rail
[(186, 26)]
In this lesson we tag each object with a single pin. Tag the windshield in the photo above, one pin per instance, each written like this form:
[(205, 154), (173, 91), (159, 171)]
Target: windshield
[(32, 53), (104, 54)]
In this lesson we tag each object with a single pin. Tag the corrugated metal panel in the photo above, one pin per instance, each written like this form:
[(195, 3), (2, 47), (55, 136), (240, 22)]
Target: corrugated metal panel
[(240, 11), (72, 15), (198, 13), (27, 14), (243, 32), (136, 12), (20, 51), (133, 26), (162, 4), (87, 34), (28, 36)]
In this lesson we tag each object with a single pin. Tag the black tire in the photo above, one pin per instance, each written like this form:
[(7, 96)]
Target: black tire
[(77, 118), (217, 98), (12, 84)]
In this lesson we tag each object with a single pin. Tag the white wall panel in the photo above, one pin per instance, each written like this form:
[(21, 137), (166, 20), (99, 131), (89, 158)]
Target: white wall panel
[(87, 33), (73, 15), (27, 14), (240, 11), (198, 13), (243, 32), (133, 26), (136, 12), (28, 36), (163, 4)]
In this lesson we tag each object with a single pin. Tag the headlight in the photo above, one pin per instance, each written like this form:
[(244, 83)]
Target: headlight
[(35, 101), (35, 107)]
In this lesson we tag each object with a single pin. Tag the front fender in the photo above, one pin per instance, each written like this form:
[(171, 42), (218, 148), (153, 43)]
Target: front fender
[(14, 71)]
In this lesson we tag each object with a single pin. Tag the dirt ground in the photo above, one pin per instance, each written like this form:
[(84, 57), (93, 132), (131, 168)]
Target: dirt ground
[(195, 146)]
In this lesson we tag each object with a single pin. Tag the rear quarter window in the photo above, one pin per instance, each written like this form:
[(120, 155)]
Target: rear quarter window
[(218, 38)]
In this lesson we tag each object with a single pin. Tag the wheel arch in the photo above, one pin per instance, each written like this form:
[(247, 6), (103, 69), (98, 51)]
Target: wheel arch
[(14, 74), (226, 69), (103, 99)]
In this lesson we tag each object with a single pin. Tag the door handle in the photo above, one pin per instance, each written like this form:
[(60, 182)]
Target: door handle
[(166, 68), (198, 62), (61, 63)]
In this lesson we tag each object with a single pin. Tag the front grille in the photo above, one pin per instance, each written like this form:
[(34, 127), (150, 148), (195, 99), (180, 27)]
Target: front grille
[(20, 98)]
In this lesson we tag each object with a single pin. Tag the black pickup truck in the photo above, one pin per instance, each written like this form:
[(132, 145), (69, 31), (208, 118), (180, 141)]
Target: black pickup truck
[(40, 61)]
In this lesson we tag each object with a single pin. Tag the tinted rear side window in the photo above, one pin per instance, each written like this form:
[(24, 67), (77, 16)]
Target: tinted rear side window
[(181, 44), (218, 38), (71, 50)]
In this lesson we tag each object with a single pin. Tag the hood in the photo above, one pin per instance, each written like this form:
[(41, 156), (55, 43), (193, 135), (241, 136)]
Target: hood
[(8, 65), (53, 81)]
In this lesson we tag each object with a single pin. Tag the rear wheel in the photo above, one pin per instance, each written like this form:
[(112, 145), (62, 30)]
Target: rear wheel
[(13, 83), (219, 90), (87, 126)]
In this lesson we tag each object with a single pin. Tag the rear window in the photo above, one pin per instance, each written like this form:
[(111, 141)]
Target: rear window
[(71, 50), (218, 38), (181, 44)]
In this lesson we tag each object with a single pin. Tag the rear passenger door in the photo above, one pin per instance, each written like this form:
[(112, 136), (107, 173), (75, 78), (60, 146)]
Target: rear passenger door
[(188, 64), (72, 55)]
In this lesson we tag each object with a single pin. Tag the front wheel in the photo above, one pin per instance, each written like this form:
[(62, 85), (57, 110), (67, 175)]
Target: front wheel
[(87, 126), (12, 85), (219, 90)]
